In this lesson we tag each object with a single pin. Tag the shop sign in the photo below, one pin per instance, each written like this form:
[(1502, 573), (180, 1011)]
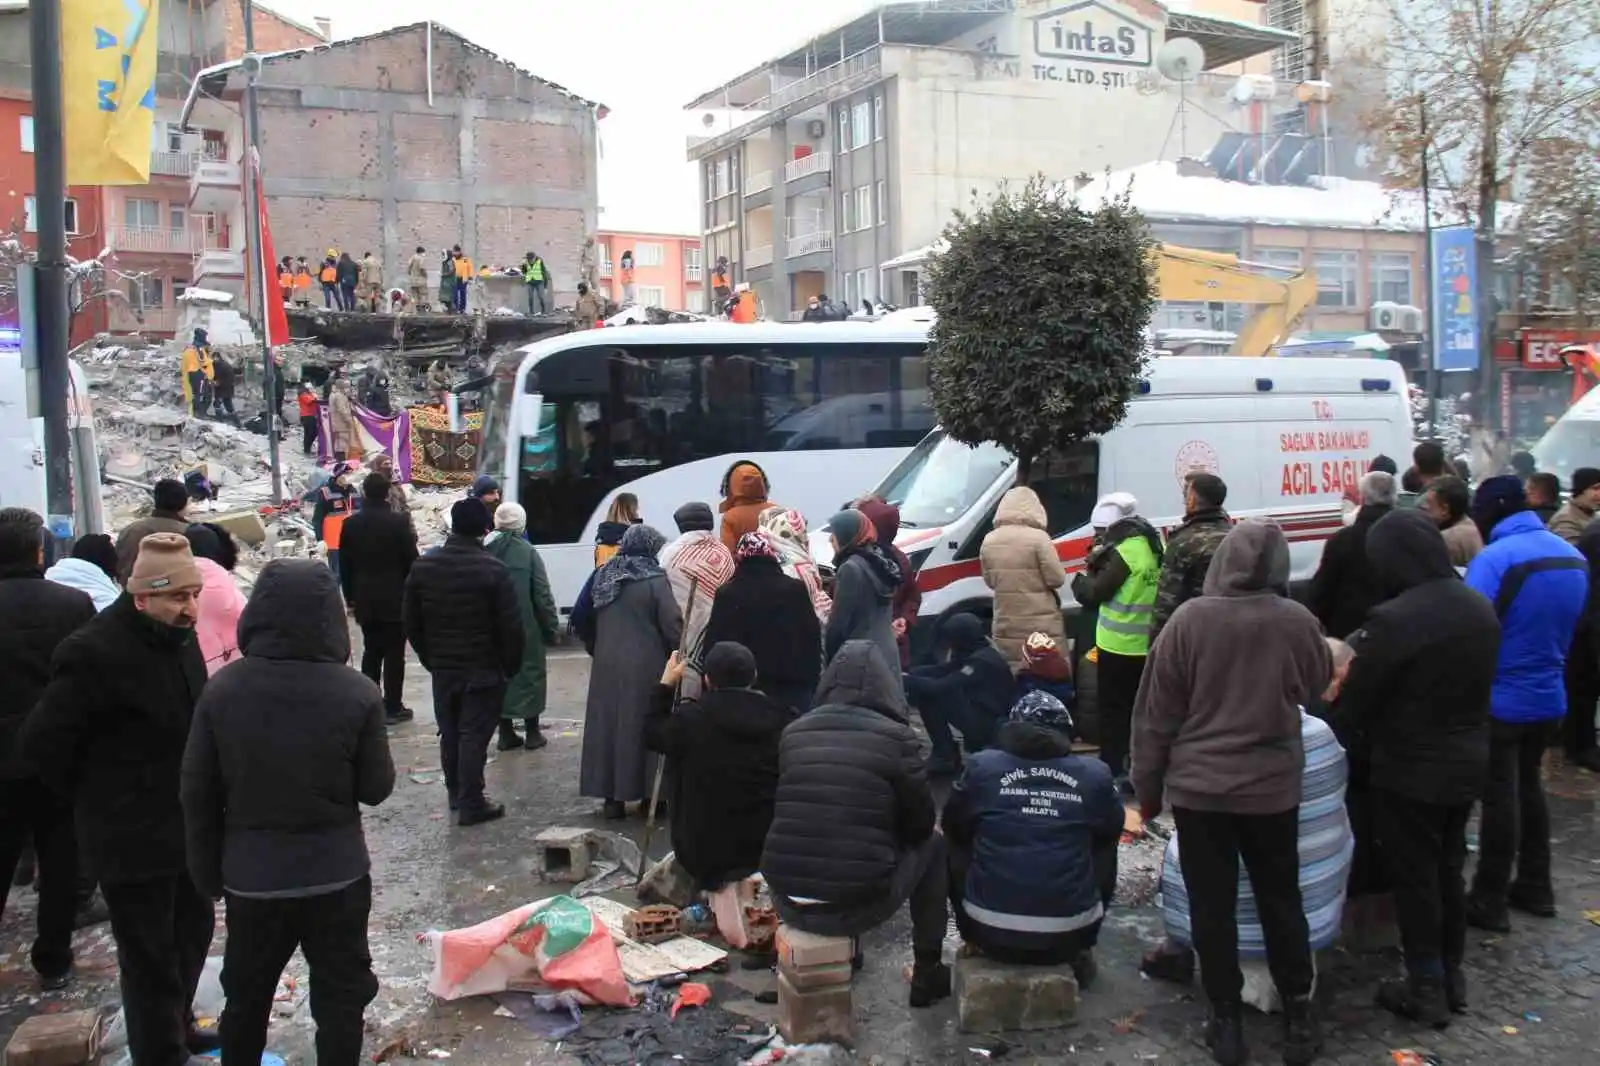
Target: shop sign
[(1075, 42), (1541, 348)]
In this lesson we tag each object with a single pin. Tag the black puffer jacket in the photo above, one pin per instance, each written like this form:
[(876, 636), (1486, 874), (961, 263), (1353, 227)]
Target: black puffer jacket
[(1417, 696), (38, 615), (110, 730), (461, 610), (726, 751), (770, 613), (376, 549), (286, 743), (1345, 588), (852, 790)]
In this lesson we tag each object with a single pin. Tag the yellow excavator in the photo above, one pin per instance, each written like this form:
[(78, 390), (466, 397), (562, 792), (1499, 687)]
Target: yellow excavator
[(1219, 277)]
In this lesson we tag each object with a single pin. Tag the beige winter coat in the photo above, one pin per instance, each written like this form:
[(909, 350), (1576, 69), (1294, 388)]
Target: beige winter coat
[(1021, 566)]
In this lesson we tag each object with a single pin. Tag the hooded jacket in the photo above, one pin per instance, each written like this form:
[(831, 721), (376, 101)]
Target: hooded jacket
[(1217, 721), (1020, 564), (1416, 701), (885, 518), (1344, 588), (87, 578), (863, 599), (726, 751), (38, 615), (975, 667), (770, 613), (1538, 585), (287, 743), (109, 732), (221, 605), (1035, 879), (744, 491), (852, 789)]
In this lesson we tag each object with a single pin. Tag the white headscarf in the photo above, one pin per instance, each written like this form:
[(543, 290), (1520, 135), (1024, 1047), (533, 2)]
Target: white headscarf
[(1112, 508), (510, 518)]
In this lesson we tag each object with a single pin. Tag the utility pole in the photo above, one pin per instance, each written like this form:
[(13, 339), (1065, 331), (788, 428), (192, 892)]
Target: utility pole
[(50, 288), (253, 194), (1435, 378)]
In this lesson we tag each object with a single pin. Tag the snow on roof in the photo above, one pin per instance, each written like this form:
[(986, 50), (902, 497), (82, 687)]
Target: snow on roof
[(216, 295)]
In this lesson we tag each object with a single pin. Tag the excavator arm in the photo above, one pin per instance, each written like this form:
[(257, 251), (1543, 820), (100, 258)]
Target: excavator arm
[(1219, 277)]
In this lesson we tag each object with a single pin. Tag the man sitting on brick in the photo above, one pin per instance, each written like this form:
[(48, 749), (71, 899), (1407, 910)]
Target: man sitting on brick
[(853, 837), (1033, 832)]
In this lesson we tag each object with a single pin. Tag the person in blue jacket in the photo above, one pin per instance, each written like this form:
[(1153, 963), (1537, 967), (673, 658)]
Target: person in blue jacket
[(1032, 833), (1538, 584)]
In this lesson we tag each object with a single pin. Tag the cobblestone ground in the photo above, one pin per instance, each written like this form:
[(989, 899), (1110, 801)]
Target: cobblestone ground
[(1534, 992)]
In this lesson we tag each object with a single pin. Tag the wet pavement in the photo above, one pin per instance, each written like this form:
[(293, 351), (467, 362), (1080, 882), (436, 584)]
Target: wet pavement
[(1535, 993)]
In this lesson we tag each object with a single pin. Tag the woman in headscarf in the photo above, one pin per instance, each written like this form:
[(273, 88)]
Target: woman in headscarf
[(770, 613), (383, 463), (697, 565), (541, 624), (787, 528), (221, 602), (864, 586), (631, 623), (91, 569)]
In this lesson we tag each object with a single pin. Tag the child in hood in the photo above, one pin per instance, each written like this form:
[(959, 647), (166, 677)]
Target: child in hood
[(744, 491)]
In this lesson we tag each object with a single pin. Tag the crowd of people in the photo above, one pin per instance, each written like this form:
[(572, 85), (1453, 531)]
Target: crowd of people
[(764, 703), (350, 284)]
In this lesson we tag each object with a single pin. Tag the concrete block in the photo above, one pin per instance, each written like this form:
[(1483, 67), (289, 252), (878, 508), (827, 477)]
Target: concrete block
[(245, 526), (563, 853), (817, 1015), (653, 924), (798, 950), (995, 996), (821, 976), (71, 1039)]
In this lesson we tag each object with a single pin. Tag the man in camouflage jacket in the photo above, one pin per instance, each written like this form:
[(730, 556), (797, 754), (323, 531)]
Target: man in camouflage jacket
[(1190, 547)]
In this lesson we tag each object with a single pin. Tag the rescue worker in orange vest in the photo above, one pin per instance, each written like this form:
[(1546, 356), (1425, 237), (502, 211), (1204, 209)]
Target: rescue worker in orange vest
[(464, 274), (335, 503), (721, 280), (307, 401), (286, 279), (744, 305), (330, 283), (302, 282)]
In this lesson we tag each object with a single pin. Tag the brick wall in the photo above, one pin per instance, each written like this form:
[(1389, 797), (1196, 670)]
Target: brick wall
[(309, 226), (274, 33)]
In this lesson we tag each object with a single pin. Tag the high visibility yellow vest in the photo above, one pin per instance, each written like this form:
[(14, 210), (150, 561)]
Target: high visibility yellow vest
[(1124, 624)]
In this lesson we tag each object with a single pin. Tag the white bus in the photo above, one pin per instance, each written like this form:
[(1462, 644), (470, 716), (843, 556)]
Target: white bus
[(664, 411)]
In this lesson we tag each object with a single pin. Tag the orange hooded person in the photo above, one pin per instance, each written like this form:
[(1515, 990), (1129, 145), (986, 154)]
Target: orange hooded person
[(744, 497)]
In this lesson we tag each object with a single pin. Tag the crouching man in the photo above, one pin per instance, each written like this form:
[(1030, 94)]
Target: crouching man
[(287, 743), (853, 837), (1033, 832)]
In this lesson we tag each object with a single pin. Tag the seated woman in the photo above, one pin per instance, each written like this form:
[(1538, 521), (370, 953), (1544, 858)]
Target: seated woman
[(1045, 669), (1032, 832), (970, 690), (725, 752)]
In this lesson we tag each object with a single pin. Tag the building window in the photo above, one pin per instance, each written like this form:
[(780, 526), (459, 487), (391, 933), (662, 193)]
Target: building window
[(693, 264), (883, 202), (877, 118), (724, 174), (141, 214), (696, 302), (174, 137), (648, 254), (861, 124), (847, 213), (1287, 258), (27, 133), (711, 182), (849, 290), (844, 129), (652, 296), (863, 286), (144, 291), (1336, 279), (178, 289), (31, 220), (178, 218), (1390, 277), (863, 207)]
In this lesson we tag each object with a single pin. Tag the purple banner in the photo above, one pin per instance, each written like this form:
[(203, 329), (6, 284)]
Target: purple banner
[(375, 433)]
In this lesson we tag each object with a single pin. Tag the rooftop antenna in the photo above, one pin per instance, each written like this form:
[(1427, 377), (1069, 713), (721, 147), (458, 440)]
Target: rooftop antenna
[(1181, 59)]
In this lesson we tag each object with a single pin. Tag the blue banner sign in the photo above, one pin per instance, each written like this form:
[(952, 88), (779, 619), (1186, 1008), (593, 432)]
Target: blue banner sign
[(1454, 306)]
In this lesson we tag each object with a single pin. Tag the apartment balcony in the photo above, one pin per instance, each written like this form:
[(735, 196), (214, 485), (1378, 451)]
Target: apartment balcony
[(759, 256), (173, 164), (807, 243), (215, 265), (606, 269), (154, 240), (760, 181), (215, 186), (807, 166), (123, 317), (853, 72), (694, 273)]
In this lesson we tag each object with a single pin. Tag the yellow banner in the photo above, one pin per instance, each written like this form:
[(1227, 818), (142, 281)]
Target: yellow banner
[(108, 83)]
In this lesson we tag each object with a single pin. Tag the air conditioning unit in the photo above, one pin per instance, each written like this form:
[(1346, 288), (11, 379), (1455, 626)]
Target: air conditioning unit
[(816, 129), (1389, 317)]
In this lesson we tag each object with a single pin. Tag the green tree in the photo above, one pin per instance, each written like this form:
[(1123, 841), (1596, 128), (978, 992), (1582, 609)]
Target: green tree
[(1042, 314)]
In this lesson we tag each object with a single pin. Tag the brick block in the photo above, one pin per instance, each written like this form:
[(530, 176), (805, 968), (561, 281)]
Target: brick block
[(995, 996), (830, 973), (760, 926), (563, 853), (56, 1040), (799, 950), (816, 1015), (653, 924)]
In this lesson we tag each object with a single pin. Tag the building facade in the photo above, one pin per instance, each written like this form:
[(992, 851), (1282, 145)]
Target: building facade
[(668, 271), (857, 147), (413, 137)]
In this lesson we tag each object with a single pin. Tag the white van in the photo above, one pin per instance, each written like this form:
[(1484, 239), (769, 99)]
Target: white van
[(1287, 435), (22, 482), (1574, 441)]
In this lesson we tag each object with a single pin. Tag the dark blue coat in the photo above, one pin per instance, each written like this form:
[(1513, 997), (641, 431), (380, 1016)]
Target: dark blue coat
[(1033, 817), (1538, 584)]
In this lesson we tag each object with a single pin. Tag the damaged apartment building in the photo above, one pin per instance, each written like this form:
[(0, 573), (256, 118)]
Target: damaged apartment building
[(410, 137)]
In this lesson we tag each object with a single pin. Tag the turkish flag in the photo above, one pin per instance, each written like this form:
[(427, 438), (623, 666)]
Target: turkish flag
[(277, 319)]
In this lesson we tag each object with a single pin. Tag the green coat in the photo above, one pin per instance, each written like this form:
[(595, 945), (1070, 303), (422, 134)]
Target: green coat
[(525, 696)]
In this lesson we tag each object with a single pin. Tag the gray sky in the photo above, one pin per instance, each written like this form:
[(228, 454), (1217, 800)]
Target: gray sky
[(644, 59)]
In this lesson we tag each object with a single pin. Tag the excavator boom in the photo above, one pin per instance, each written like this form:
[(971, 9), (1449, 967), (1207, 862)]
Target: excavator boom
[(1219, 277)]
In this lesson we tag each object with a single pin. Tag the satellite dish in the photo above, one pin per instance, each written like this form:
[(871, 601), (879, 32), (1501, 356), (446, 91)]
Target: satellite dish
[(1181, 59), (708, 120)]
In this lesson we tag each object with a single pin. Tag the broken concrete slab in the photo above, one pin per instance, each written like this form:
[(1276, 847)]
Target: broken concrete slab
[(995, 996)]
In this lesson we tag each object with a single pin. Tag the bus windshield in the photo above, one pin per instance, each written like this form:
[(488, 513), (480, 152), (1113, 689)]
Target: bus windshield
[(941, 479)]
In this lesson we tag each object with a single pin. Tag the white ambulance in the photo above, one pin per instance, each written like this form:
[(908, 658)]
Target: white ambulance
[(1289, 436)]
